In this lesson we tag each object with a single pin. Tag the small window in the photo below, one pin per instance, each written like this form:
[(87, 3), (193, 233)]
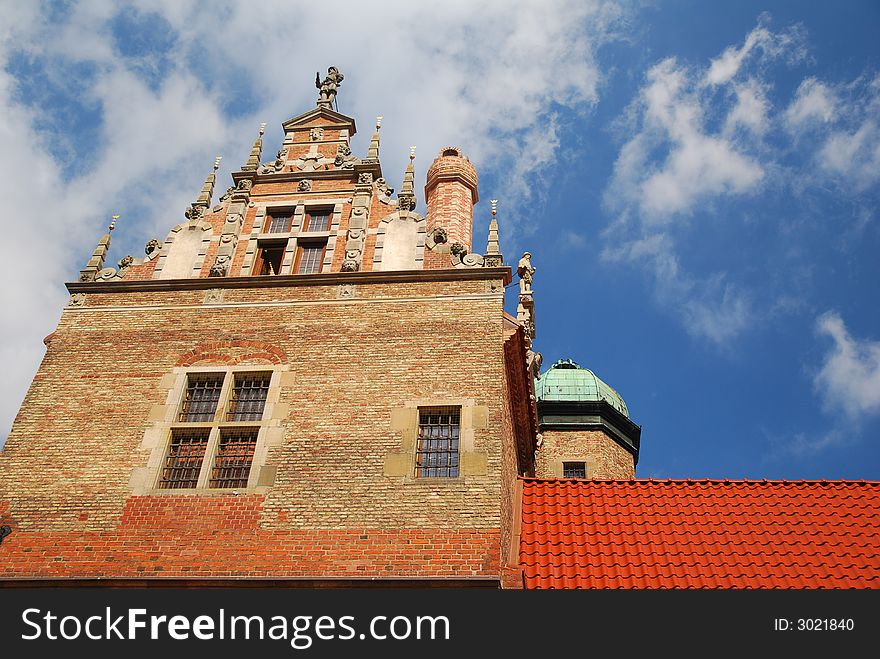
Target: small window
[(270, 256), (574, 469), (310, 257), (248, 397), (184, 460), (317, 220), (200, 401), (437, 450), (234, 456), (278, 221)]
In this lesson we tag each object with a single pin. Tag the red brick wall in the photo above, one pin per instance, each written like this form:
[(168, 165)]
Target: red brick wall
[(450, 192), (331, 511)]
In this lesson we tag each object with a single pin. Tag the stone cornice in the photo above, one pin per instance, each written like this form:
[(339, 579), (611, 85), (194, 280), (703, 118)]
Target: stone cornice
[(282, 281)]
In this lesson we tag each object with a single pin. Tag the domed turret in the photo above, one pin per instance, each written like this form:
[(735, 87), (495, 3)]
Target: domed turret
[(585, 426)]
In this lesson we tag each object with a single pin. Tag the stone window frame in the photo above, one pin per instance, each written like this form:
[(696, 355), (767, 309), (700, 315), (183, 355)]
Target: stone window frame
[(557, 466), (292, 237), (473, 462), (157, 438)]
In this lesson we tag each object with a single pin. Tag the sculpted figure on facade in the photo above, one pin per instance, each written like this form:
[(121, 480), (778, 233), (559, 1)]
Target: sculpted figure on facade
[(328, 87), (525, 271)]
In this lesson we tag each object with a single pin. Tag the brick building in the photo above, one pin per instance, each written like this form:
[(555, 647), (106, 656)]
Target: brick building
[(309, 383)]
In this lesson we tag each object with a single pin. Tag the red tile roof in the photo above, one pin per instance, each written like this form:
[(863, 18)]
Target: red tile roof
[(700, 534)]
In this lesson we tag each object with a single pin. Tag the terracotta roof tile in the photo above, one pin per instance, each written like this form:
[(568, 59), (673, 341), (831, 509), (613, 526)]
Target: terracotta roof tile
[(700, 534)]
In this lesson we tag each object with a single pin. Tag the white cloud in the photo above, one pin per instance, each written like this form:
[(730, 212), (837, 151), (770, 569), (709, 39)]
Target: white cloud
[(697, 164), (440, 74), (760, 42), (711, 308), (849, 379), (814, 100)]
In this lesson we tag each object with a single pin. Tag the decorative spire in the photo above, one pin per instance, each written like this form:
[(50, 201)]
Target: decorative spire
[(253, 160), (96, 263), (493, 258), (204, 199), (406, 198), (373, 151)]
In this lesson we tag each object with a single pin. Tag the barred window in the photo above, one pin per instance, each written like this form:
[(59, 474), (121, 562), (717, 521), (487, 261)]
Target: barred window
[(574, 470), (219, 451), (234, 456), (437, 450), (184, 460), (248, 397), (202, 396)]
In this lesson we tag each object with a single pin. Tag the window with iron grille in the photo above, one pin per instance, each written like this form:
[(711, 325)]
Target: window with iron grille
[(574, 470), (310, 256), (183, 463), (278, 221), (219, 451), (317, 220), (437, 449), (235, 452), (201, 398), (248, 397)]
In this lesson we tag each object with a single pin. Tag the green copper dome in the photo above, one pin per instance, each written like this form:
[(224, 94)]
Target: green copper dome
[(566, 381)]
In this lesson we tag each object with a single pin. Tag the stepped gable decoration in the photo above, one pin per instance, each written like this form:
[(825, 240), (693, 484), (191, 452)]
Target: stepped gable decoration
[(406, 198), (493, 257), (277, 165), (328, 87), (253, 161), (95, 267)]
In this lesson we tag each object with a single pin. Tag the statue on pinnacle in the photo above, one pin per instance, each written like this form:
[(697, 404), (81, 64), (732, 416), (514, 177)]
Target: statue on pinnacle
[(327, 88)]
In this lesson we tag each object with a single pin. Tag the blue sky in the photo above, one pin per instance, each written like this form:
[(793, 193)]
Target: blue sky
[(698, 184)]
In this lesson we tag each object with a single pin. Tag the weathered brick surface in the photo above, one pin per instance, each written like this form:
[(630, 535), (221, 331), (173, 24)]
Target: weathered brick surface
[(331, 510), (605, 457), (450, 191)]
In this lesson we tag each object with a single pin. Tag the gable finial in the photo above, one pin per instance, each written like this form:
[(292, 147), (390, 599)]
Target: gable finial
[(253, 160), (373, 151), (406, 198), (493, 257)]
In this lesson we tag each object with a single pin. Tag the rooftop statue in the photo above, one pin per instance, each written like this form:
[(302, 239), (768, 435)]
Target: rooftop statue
[(327, 88)]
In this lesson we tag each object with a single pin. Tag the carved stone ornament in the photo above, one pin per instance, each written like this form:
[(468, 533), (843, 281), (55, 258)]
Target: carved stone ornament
[(245, 184), (472, 260), (457, 249), (304, 186), (345, 291), (125, 262), (221, 266), (350, 265), (226, 195), (440, 236), (344, 157), (105, 274), (77, 300), (214, 296), (316, 134), (152, 246), (539, 440), (383, 187), (406, 202), (277, 166), (87, 276), (365, 177), (194, 212)]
